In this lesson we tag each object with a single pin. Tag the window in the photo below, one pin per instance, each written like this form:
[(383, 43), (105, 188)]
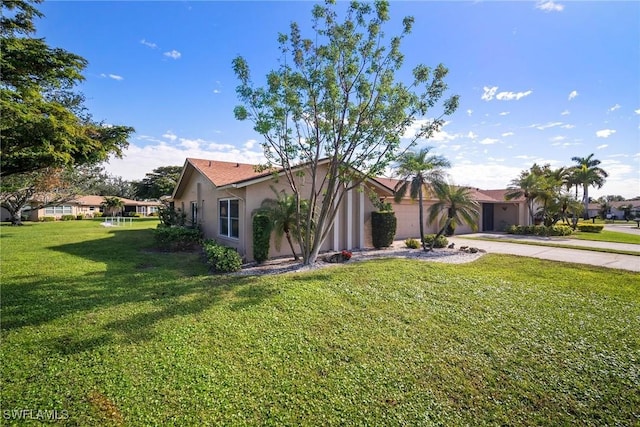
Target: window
[(58, 210), (229, 214)]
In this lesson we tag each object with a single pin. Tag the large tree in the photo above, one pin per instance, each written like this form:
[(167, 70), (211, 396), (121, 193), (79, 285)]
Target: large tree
[(458, 206), (44, 123), (588, 173), (418, 172), (160, 182), (39, 189), (334, 105), (528, 185)]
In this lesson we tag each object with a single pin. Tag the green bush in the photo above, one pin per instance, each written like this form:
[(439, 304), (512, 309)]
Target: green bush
[(412, 243), (540, 230), (441, 242), (590, 228), (47, 219), (177, 238), (383, 228), (67, 217), (80, 217), (97, 214), (261, 237), (221, 258)]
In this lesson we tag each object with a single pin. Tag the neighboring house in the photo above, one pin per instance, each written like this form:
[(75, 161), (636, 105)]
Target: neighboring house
[(615, 211), (221, 197), (88, 206)]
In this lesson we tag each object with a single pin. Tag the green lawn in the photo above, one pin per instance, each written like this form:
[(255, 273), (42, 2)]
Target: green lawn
[(608, 236), (98, 326)]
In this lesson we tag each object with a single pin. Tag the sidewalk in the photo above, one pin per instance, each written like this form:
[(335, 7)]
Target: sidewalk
[(580, 256)]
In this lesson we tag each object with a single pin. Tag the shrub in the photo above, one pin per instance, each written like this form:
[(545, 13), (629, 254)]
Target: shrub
[(97, 214), (80, 217), (540, 230), (412, 243), (261, 237), (221, 258), (441, 242), (47, 219), (590, 228), (177, 238), (68, 217), (383, 228)]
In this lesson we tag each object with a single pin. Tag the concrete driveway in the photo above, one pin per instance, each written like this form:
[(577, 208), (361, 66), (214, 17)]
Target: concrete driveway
[(580, 256)]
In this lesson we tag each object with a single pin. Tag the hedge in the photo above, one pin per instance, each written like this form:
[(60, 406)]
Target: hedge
[(590, 228), (261, 237), (383, 228)]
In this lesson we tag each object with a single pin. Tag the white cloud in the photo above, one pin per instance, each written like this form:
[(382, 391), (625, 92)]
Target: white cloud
[(600, 147), (217, 91), (557, 138), (508, 134), (510, 96), (615, 107), (567, 126), (573, 94), (549, 6), (149, 44), (637, 111), (565, 113), (250, 144), (470, 112), (112, 76), (489, 141), (605, 133), (472, 135), (170, 135), (174, 54), (489, 93), (504, 113), (546, 126), (482, 174), (148, 153)]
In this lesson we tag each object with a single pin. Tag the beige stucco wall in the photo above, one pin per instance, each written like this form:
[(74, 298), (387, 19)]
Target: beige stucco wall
[(347, 232)]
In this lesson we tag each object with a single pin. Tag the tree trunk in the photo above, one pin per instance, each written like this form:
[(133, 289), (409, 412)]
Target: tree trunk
[(424, 244), (585, 200), (446, 224), (16, 217), (293, 251)]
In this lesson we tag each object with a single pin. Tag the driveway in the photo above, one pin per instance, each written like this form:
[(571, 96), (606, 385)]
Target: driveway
[(580, 256)]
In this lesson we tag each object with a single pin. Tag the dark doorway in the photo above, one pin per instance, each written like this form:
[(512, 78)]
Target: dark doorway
[(487, 217)]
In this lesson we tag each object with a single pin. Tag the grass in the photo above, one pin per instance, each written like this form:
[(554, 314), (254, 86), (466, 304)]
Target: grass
[(97, 325), (608, 236)]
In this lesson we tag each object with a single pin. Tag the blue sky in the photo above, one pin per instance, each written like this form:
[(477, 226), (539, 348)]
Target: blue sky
[(538, 81)]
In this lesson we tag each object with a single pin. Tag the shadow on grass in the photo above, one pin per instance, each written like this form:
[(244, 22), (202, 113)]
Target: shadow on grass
[(115, 289)]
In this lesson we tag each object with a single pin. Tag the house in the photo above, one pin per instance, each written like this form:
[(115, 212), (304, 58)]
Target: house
[(496, 213), (221, 197), (88, 206), (615, 210)]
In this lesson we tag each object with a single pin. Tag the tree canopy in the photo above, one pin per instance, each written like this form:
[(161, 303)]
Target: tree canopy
[(44, 123), (160, 182), (335, 102)]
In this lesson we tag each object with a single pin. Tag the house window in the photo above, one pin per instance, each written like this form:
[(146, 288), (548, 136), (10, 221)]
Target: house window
[(229, 214), (58, 210)]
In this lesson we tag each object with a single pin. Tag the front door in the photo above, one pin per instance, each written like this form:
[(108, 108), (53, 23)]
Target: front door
[(487, 217)]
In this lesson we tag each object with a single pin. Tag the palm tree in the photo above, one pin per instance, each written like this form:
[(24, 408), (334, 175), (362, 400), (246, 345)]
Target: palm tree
[(587, 173), (459, 205), (527, 185), (418, 171), (283, 214), (112, 204)]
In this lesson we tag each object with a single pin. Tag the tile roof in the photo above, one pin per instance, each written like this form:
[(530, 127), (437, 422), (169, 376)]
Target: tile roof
[(225, 173)]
